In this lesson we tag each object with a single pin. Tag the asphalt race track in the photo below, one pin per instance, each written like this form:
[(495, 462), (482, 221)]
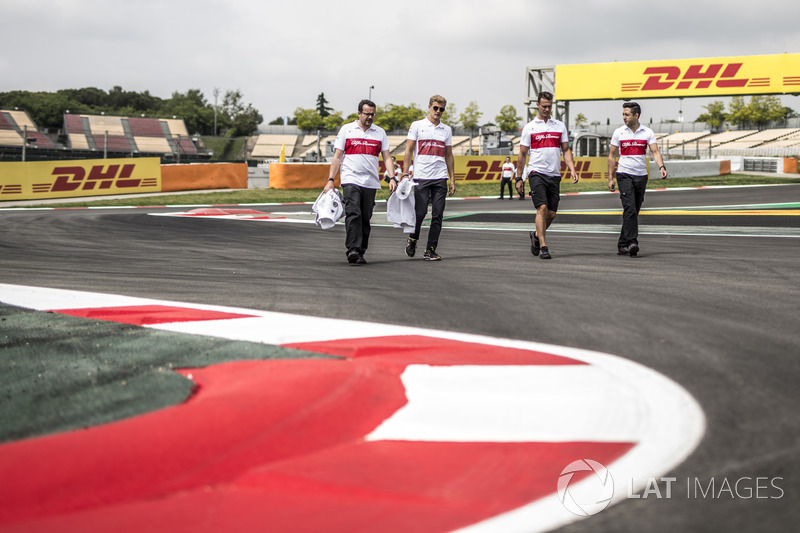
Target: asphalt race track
[(711, 303)]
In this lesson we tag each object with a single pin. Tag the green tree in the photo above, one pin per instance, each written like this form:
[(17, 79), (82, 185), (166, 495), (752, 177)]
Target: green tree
[(244, 118), (308, 119), (470, 118), (450, 115), (581, 121), (758, 112), (764, 109), (392, 117), (508, 120), (714, 116), (322, 106), (197, 114), (333, 121), (738, 111)]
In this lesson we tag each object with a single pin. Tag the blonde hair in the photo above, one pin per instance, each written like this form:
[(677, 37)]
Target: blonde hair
[(439, 99)]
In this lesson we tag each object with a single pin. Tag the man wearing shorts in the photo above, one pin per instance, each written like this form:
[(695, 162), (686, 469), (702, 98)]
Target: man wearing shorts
[(630, 143), (358, 146), (430, 142), (545, 139)]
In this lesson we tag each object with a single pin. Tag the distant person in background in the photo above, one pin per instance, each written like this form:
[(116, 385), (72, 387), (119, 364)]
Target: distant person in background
[(358, 146), (429, 147), (545, 139), (629, 143), (397, 170), (507, 174)]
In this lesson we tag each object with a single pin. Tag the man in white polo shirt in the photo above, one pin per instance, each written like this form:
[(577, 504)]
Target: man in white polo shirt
[(629, 143), (357, 146), (430, 142), (545, 139)]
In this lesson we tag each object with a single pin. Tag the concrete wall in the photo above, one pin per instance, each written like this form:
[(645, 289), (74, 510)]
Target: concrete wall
[(692, 169)]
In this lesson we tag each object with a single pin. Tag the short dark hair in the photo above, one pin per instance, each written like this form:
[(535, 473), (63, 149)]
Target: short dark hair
[(635, 108), (366, 102), (544, 95)]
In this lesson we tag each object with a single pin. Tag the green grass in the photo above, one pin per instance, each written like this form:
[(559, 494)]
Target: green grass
[(263, 196)]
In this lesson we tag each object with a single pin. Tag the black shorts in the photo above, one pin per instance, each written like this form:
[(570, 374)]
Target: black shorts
[(545, 190)]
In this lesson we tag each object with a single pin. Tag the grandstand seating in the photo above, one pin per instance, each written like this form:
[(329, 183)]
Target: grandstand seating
[(12, 125), (676, 139), (145, 127), (791, 140), (461, 144), (9, 137), (270, 145), (729, 136), (128, 134)]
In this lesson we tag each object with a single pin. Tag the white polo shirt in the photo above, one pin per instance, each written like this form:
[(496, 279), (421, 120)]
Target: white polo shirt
[(633, 149), (508, 170), (544, 141), (361, 150), (431, 144)]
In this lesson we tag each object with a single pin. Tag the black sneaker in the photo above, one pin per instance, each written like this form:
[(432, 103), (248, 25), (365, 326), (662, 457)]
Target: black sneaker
[(633, 250), (544, 253), (623, 250), (535, 245), (431, 255), (411, 247), (352, 256), (360, 260)]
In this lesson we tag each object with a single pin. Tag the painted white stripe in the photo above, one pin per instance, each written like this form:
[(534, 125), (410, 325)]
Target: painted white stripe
[(528, 403), (282, 328), (631, 402)]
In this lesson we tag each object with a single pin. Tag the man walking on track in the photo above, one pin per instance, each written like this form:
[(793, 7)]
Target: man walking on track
[(430, 142), (545, 139), (629, 143), (357, 146)]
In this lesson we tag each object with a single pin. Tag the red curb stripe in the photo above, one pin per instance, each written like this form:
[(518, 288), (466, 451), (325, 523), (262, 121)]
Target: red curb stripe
[(143, 315)]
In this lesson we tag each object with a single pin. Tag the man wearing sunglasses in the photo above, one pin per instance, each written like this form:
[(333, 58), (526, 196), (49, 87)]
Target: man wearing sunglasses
[(545, 139), (357, 148), (430, 143)]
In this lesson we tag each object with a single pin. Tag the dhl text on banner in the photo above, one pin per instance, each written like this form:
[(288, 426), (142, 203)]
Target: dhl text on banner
[(718, 76), (66, 179)]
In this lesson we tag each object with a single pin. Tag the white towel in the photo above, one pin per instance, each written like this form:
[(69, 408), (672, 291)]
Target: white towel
[(400, 207), (329, 208)]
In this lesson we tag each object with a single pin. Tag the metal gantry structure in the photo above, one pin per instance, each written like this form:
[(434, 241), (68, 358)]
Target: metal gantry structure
[(540, 79)]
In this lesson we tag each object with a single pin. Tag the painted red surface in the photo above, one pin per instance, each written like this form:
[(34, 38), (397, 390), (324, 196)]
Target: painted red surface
[(279, 446)]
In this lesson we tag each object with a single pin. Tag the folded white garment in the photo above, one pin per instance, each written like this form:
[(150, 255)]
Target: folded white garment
[(400, 207), (329, 208)]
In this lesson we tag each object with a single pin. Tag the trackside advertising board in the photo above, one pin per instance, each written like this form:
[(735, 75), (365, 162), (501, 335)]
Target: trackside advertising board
[(676, 78), (489, 168), (483, 168), (87, 177)]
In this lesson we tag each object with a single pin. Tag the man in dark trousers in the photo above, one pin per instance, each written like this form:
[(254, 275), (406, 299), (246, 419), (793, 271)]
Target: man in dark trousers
[(629, 143)]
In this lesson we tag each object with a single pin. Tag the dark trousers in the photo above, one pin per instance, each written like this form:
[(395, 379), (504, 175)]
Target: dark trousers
[(432, 192), (503, 183), (631, 194), (358, 205)]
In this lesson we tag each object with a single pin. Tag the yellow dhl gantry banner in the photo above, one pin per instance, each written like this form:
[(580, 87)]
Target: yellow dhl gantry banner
[(88, 177), (489, 168), (717, 76)]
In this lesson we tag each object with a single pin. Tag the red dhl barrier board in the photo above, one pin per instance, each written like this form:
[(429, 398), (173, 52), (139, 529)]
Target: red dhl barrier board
[(86, 177), (676, 78), (489, 168)]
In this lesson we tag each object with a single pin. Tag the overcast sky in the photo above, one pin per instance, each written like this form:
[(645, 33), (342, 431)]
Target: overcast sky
[(282, 54)]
